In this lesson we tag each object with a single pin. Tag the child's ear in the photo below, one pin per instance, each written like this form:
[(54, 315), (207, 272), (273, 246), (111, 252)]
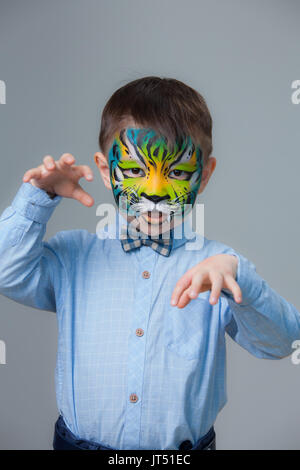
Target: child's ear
[(207, 172), (103, 167)]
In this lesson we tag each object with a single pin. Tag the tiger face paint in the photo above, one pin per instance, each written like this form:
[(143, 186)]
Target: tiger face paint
[(155, 184)]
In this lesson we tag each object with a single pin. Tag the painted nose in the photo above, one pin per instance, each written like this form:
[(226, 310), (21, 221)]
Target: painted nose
[(154, 198)]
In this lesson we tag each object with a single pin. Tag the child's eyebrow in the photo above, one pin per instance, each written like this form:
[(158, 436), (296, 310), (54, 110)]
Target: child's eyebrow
[(133, 150)]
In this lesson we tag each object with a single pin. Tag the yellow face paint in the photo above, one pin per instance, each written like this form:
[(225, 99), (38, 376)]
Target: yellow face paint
[(149, 177)]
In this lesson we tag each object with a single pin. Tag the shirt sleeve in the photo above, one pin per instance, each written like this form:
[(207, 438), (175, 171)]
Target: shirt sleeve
[(29, 266), (264, 323)]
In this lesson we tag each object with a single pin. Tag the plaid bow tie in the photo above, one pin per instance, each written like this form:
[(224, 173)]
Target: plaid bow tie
[(162, 245)]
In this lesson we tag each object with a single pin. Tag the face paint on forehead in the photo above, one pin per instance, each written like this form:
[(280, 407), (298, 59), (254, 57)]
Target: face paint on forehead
[(148, 176)]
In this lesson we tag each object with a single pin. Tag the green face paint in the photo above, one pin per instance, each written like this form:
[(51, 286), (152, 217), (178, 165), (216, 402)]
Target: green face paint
[(150, 178)]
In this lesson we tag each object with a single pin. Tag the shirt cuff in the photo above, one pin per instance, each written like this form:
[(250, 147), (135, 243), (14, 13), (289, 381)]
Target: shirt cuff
[(34, 203), (248, 280)]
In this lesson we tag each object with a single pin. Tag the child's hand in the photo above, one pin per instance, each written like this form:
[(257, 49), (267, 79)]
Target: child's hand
[(61, 177), (214, 273)]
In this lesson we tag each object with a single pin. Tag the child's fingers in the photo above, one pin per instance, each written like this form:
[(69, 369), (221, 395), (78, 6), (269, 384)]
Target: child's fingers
[(49, 162), (234, 287), (181, 286), (82, 196), (195, 287), (86, 172), (216, 287), (35, 173), (184, 299), (66, 160)]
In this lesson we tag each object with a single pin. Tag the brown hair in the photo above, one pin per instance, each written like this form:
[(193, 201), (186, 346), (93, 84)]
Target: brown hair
[(170, 107)]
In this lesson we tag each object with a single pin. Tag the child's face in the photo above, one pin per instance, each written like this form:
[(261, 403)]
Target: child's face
[(153, 183)]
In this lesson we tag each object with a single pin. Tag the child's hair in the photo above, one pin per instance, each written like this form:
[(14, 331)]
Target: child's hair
[(170, 107)]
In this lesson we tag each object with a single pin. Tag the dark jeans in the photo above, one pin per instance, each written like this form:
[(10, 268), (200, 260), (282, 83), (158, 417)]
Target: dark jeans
[(64, 439)]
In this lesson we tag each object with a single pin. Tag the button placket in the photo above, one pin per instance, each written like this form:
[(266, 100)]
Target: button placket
[(137, 348)]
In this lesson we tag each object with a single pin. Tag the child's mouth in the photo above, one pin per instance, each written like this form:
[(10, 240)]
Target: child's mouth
[(154, 217)]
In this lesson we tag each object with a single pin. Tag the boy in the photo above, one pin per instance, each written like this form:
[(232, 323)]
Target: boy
[(141, 318)]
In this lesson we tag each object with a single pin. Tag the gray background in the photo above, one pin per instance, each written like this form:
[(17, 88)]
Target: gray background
[(61, 60)]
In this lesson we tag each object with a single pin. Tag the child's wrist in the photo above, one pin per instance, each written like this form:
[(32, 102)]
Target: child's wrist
[(50, 194)]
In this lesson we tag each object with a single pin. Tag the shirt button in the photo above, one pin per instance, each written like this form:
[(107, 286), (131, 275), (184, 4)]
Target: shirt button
[(133, 398), (139, 331), (146, 274)]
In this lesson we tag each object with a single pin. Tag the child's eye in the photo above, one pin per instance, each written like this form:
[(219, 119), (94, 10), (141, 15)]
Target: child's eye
[(180, 174), (134, 173)]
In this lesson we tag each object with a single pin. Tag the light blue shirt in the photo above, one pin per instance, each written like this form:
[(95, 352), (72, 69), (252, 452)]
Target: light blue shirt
[(132, 371)]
